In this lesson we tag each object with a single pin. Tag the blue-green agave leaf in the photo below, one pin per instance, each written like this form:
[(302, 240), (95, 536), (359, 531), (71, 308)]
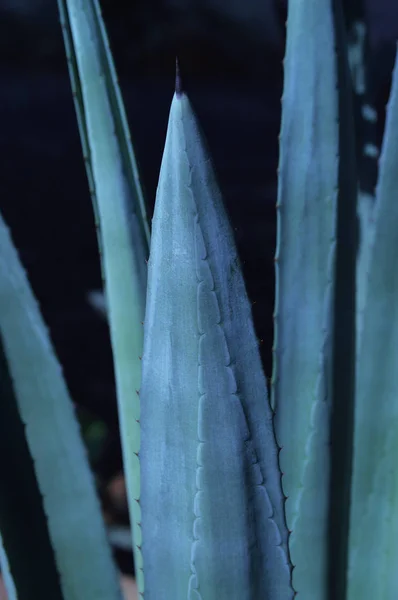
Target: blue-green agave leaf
[(305, 258), (6, 574), (213, 524), (373, 551), (23, 525), (365, 211), (119, 207), (366, 201), (75, 524), (100, 50)]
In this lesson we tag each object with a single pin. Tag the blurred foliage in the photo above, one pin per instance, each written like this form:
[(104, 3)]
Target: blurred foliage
[(95, 434)]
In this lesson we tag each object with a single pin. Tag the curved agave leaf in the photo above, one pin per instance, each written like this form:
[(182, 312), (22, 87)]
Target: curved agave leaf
[(120, 213), (305, 258), (75, 525), (373, 557), (213, 523)]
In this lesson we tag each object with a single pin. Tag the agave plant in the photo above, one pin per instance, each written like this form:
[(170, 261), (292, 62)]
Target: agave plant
[(233, 494)]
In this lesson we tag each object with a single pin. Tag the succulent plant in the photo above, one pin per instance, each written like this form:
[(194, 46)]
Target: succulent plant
[(233, 494)]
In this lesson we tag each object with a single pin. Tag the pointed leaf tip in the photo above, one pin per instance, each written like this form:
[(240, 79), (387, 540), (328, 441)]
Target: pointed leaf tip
[(178, 84)]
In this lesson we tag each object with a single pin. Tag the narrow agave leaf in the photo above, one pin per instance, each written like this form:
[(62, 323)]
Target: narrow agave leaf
[(305, 256), (119, 207), (75, 525), (366, 209), (23, 525), (118, 116), (6, 574), (366, 118), (373, 555), (213, 523)]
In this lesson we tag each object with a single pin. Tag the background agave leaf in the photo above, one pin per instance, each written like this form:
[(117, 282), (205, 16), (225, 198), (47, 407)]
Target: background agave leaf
[(373, 538), (365, 138), (6, 574), (305, 259), (366, 215), (212, 507), (120, 213), (75, 527)]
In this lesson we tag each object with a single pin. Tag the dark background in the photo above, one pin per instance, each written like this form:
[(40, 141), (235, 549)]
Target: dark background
[(230, 55)]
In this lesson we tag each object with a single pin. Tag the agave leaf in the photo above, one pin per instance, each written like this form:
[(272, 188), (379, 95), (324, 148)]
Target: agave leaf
[(75, 525), (101, 50), (6, 574), (366, 209), (120, 213), (373, 538), (212, 507), (305, 258), (366, 118), (29, 556)]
